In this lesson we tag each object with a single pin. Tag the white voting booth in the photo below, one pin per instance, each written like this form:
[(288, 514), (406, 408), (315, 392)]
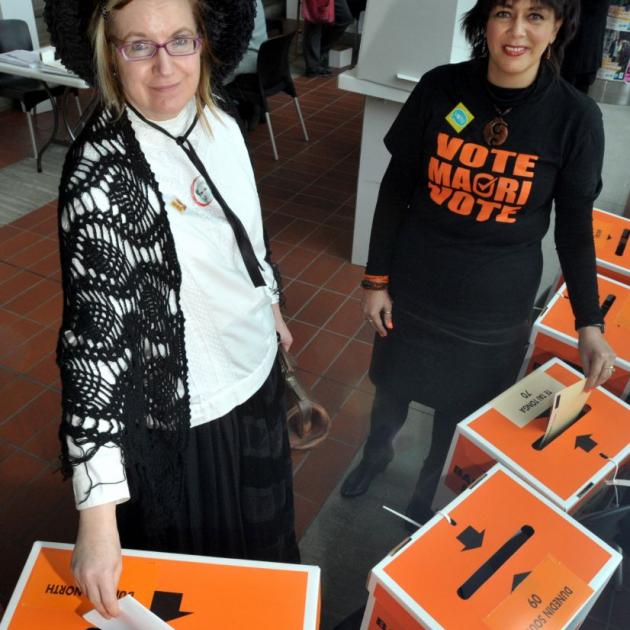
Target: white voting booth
[(402, 39)]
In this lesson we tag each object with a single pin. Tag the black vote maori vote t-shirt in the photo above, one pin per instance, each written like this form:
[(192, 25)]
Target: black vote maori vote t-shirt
[(466, 251)]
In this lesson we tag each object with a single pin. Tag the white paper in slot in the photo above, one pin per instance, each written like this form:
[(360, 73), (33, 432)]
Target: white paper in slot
[(133, 616), (567, 406)]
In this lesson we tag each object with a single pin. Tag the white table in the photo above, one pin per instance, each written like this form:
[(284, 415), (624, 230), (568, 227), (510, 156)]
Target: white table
[(53, 78), (49, 79)]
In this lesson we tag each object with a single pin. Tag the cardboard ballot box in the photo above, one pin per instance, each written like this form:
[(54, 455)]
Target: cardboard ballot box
[(502, 558), (185, 591), (612, 249), (570, 469), (611, 234), (554, 334)]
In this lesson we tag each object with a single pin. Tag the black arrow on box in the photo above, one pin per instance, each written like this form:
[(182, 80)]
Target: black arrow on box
[(585, 442), (166, 605), (518, 578), (471, 538)]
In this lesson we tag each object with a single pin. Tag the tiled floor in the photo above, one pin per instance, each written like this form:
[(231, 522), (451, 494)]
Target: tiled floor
[(308, 204), (308, 201)]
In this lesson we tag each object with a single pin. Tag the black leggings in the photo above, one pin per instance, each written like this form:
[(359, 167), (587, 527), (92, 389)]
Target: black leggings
[(455, 376), (388, 416)]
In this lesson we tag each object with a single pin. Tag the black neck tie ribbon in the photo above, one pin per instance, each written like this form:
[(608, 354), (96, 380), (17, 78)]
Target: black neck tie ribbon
[(240, 234)]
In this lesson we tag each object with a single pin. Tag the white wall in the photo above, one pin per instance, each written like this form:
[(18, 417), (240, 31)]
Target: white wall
[(460, 50), (410, 37), (616, 172), (291, 9)]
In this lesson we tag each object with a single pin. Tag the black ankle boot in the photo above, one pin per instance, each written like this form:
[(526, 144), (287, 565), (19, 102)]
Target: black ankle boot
[(359, 480)]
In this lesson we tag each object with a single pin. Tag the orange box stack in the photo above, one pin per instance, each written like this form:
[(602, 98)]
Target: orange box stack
[(554, 334), (612, 246), (611, 234)]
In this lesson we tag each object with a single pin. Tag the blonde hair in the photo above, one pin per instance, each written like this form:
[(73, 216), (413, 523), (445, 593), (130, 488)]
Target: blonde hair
[(107, 83)]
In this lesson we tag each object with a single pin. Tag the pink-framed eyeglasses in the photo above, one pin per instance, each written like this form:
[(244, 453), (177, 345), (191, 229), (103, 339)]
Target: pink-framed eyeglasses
[(144, 49)]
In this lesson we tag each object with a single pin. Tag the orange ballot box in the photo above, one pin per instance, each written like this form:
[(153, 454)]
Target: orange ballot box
[(569, 468), (498, 557), (612, 249), (611, 235), (554, 334), (184, 591)]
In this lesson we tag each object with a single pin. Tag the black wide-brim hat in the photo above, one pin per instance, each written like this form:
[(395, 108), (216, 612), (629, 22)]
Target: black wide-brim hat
[(229, 25)]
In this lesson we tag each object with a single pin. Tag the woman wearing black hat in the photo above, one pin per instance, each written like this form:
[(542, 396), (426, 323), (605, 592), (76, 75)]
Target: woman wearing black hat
[(480, 151), (172, 395)]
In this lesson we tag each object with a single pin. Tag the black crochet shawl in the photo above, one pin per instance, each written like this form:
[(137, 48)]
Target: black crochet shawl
[(121, 348)]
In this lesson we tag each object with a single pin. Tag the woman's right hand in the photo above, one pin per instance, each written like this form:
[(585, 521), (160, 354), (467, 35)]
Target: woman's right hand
[(377, 310), (97, 560)]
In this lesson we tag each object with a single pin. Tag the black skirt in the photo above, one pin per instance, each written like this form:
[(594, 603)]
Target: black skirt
[(451, 370), (238, 487)]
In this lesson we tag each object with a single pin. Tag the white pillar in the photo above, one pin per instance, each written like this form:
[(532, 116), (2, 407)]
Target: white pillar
[(20, 10), (291, 9), (402, 39)]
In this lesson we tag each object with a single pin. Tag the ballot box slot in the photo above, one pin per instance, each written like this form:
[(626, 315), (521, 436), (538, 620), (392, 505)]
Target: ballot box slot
[(477, 481), (539, 445), (607, 303), (495, 562), (585, 489), (623, 241)]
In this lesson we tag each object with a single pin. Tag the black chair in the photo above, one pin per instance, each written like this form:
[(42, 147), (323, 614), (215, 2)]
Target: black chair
[(14, 35), (273, 75)]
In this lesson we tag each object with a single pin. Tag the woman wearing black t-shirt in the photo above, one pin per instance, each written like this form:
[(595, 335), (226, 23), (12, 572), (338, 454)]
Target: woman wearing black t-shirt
[(479, 152)]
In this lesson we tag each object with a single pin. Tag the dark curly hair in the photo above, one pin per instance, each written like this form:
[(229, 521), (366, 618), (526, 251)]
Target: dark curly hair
[(474, 24)]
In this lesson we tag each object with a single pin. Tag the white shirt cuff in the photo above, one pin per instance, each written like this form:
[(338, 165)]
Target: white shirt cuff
[(101, 479)]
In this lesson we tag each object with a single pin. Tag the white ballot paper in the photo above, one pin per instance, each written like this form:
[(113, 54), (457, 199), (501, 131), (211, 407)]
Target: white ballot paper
[(566, 407), (133, 616)]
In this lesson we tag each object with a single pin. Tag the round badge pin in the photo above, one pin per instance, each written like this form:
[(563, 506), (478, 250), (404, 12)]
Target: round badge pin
[(201, 192)]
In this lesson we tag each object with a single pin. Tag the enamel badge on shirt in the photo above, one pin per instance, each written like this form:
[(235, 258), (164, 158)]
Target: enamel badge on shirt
[(459, 117), (180, 206)]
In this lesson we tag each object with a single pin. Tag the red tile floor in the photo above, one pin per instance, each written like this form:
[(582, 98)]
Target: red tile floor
[(308, 198)]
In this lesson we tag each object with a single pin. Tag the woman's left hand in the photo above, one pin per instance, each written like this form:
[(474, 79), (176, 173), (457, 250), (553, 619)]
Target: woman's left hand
[(286, 338), (596, 355)]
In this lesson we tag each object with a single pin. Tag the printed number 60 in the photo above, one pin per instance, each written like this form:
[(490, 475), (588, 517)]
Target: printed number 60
[(534, 600)]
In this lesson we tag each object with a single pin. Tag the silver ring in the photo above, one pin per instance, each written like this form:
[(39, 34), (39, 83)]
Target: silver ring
[(387, 312), (610, 368)]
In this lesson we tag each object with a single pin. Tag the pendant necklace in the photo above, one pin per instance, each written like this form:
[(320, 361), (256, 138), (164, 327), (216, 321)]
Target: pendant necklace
[(495, 133)]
